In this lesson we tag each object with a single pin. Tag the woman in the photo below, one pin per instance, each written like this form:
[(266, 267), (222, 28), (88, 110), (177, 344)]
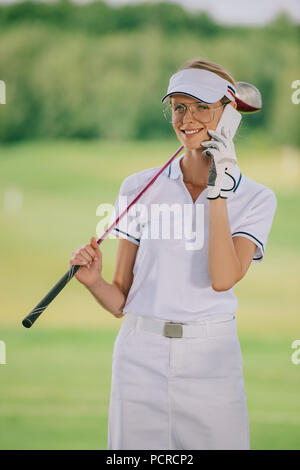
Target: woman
[(177, 373)]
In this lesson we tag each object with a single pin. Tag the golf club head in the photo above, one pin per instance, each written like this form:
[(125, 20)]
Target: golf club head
[(248, 98)]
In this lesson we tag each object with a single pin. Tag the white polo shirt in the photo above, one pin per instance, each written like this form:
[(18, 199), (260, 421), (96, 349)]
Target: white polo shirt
[(171, 277)]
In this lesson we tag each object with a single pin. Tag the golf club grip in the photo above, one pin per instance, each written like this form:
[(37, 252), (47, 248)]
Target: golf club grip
[(38, 310)]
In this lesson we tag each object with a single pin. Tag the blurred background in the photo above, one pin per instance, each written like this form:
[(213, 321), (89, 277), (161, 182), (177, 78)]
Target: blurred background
[(84, 83)]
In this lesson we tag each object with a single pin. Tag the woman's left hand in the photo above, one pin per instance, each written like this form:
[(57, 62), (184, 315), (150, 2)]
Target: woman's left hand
[(222, 152)]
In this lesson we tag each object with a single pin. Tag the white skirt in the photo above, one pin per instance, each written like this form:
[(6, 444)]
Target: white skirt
[(183, 393)]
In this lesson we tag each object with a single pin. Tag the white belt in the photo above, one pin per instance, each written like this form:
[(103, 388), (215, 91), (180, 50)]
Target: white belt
[(182, 330)]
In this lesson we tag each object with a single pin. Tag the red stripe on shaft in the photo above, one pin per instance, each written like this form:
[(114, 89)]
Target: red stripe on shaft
[(106, 232)]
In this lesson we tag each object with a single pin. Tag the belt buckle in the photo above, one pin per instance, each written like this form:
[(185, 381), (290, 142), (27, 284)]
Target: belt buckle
[(173, 330)]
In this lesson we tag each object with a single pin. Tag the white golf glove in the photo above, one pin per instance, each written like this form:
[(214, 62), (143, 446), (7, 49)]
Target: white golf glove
[(222, 151)]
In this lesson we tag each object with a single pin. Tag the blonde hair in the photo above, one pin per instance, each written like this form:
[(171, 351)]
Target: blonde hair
[(204, 64)]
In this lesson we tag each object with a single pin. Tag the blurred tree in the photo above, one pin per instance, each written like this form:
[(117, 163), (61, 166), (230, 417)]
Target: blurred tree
[(94, 71)]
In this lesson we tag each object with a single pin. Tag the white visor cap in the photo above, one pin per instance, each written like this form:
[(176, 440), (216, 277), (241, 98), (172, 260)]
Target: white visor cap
[(200, 84)]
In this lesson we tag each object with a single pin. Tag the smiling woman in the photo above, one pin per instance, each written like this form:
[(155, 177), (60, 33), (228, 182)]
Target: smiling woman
[(201, 112), (185, 110), (186, 393)]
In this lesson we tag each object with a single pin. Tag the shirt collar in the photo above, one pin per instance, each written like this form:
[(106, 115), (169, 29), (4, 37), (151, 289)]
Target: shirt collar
[(231, 181)]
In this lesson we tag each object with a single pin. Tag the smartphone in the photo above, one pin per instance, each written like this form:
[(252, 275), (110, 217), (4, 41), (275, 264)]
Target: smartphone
[(230, 119)]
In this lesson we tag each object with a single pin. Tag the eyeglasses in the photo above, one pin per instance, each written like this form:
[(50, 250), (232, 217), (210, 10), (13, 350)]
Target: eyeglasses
[(201, 112)]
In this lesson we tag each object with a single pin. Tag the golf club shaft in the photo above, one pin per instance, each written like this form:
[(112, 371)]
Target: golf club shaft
[(248, 99), (43, 304)]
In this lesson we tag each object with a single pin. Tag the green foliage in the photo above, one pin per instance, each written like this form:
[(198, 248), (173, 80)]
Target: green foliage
[(90, 71), (99, 18)]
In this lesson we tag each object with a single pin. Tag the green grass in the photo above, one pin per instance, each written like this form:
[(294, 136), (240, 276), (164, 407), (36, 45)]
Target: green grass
[(56, 383), (55, 389), (55, 386), (272, 390)]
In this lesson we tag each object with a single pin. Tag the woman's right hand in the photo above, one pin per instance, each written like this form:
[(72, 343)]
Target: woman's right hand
[(89, 257)]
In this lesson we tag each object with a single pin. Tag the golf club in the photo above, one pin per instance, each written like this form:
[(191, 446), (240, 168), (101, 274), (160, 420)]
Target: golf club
[(248, 98), (248, 101)]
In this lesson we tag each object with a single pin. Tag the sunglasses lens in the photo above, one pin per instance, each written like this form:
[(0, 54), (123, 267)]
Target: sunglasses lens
[(199, 111), (167, 110)]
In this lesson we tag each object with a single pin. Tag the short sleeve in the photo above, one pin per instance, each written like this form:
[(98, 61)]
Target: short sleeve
[(257, 223), (128, 226)]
